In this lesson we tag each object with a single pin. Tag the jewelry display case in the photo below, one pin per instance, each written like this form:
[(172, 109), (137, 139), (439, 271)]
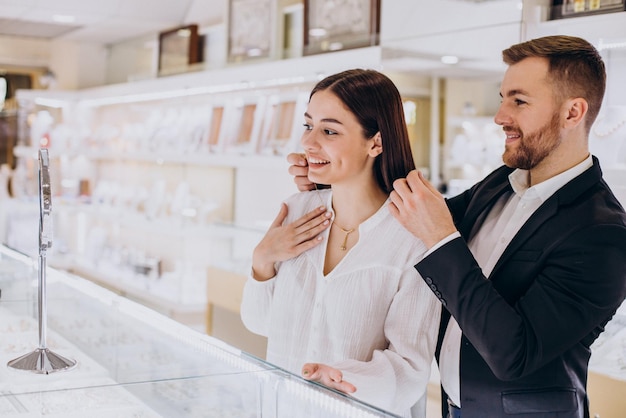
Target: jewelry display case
[(134, 362)]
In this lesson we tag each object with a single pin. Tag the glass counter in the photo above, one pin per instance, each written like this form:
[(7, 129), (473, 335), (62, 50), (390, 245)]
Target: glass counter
[(135, 362)]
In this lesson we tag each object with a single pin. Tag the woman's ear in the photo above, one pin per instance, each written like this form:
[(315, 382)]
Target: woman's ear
[(377, 145)]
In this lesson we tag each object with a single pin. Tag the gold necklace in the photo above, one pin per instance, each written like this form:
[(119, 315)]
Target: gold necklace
[(345, 239), (344, 245)]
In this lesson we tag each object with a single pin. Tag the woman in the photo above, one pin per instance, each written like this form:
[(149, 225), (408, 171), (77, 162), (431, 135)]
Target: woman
[(351, 314)]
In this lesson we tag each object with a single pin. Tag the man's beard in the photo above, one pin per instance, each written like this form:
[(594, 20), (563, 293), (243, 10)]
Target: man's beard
[(533, 148)]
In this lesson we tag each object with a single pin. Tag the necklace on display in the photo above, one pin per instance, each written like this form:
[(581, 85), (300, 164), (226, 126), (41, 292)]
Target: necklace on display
[(610, 123)]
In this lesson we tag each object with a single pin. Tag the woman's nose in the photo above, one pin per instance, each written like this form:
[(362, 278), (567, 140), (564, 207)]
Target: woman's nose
[(308, 140)]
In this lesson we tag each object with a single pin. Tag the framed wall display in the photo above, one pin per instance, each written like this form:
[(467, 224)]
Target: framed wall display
[(281, 131), (250, 29), (573, 8), (292, 31), (215, 125), (179, 48), (332, 25), (247, 120)]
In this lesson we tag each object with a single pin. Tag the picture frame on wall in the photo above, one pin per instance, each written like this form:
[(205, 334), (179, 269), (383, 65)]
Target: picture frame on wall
[(246, 116), (332, 25), (250, 29), (216, 115), (281, 130), (178, 49), (562, 9)]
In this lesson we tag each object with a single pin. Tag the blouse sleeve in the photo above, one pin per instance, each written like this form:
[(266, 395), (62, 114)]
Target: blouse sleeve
[(396, 378), (257, 296), (256, 305)]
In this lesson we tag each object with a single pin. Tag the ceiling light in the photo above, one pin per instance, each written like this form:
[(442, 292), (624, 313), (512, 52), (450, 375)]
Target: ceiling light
[(64, 18), (317, 32), (450, 59)]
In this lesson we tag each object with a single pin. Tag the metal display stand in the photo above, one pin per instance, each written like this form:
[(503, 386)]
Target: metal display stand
[(42, 360)]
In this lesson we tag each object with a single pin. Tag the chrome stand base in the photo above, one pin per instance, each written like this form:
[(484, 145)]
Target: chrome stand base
[(42, 361)]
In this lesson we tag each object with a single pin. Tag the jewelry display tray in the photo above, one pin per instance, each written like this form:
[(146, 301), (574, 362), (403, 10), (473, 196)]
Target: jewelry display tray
[(134, 362)]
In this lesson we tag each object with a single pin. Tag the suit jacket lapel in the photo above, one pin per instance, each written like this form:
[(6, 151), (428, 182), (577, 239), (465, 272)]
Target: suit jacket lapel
[(564, 196), (484, 198)]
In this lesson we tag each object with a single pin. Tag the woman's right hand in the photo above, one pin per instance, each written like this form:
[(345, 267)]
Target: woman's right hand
[(328, 376), (283, 242), (299, 169)]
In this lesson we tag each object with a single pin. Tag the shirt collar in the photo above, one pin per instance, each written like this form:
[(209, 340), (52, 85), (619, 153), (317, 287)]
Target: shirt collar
[(545, 189)]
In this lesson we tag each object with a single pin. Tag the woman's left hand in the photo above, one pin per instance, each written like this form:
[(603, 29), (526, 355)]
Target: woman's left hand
[(327, 376)]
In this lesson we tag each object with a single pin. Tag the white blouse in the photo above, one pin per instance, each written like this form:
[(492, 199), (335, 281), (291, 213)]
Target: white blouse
[(372, 316)]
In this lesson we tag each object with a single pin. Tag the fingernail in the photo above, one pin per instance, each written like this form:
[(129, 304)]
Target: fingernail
[(322, 208), (328, 214), (319, 237), (326, 222)]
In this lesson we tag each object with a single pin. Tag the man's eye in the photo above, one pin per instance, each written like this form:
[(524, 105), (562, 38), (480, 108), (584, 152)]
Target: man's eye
[(519, 102)]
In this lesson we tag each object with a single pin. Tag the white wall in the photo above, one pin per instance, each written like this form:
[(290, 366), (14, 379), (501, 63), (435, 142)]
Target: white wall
[(417, 18), (78, 65), (132, 60), (27, 52)]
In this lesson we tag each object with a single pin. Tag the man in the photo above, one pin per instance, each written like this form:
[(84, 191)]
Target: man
[(530, 263)]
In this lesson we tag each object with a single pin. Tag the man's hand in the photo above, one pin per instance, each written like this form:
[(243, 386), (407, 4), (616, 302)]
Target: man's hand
[(299, 168), (421, 209), (327, 376), (281, 243)]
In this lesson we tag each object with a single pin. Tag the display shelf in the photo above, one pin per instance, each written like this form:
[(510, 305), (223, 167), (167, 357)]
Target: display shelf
[(170, 226), (475, 149), (266, 162), (252, 76), (182, 291), (606, 27), (163, 295), (133, 361)]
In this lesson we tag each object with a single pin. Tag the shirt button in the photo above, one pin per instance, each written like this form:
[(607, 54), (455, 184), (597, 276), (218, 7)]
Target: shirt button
[(428, 280)]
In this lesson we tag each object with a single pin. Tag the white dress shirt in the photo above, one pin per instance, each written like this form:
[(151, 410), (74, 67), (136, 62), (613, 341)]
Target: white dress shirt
[(505, 219), (372, 316)]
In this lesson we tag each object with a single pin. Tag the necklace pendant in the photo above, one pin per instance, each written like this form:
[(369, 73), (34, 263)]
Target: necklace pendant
[(344, 246)]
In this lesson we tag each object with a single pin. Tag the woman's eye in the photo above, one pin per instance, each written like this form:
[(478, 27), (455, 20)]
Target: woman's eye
[(329, 132), (307, 127), (519, 102)]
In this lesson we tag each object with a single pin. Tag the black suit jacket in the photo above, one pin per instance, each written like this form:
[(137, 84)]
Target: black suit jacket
[(527, 329)]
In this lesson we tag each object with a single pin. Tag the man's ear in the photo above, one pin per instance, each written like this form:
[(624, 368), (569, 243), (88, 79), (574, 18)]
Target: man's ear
[(377, 145), (575, 112)]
